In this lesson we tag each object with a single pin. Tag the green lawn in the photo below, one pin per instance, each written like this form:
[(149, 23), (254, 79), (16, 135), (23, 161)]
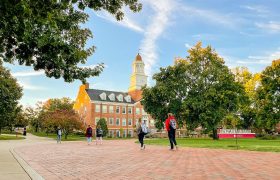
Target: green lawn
[(244, 144), (70, 137), (9, 137)]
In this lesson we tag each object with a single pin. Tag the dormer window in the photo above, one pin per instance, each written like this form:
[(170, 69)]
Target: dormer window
[(120, 97), (128, 98), (103, 96), (112, 97)]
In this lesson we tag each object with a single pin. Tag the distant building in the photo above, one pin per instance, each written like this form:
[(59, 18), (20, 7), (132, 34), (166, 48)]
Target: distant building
[(121, 110)]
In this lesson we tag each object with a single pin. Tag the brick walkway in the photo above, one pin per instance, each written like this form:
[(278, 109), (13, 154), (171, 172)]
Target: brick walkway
[(123, 160)]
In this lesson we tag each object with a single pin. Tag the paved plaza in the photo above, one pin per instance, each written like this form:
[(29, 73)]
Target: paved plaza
[(122, 159)]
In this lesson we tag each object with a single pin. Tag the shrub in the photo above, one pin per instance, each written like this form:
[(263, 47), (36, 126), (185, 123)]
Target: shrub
[(268, 137)]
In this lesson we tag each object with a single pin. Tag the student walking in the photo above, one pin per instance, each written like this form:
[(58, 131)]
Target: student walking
[(99, 134), (142, 130), (170, 125), (89, 134), (58, 133)]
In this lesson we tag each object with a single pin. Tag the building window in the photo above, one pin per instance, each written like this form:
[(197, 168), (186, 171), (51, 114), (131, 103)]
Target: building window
[(123, 110), (104, 108), (130, 133), (137, 111), (118, 109), (127, 98), (123, 122), (96, 120), (111, 109), (124, 133), (129, 109), (111, 133), (130, 122), (97, 108), (111, 121), (103, 96), (143, 111), (120, 97), (117, 121), (118, 133), (112, 97)]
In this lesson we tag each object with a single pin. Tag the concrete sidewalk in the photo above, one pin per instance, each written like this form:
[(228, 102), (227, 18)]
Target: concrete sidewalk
[(9, 166), (12, 166)]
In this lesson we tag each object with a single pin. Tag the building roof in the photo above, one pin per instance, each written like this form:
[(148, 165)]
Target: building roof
[(94, 95), (138, 57)]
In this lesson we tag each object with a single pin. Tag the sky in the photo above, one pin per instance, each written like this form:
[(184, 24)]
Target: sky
[(243, 32)]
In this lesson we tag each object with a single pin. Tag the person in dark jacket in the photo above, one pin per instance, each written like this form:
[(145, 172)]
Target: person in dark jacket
[(170, 125), (99, 135), (89, 134), (24, 131)]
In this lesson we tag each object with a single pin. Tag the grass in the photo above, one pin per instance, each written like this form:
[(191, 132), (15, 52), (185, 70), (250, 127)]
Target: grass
[(243, 144), (9, 137), (71, 137)]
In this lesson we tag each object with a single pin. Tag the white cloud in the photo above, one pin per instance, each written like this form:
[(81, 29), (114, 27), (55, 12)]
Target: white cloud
[(256, 8), (126, 22), (28, 73), (188, 46), (155, 29), (28, 86), (264, 60), (271, 26), (92, 66), (212, 16)]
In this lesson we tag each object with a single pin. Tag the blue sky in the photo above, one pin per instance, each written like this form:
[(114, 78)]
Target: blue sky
[(243, 32)]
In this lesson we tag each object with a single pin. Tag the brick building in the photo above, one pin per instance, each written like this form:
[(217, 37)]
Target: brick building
[(121, 110)]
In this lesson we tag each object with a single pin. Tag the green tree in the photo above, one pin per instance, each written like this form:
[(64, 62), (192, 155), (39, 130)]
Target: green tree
[(67, 120), (250, 82), (33, 116), (47, 34), (199, 90), (62, 103), (21, 118), (10, 93), (268, 97), (103, 124)]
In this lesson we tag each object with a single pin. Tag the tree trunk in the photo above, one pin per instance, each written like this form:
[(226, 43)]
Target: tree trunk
[(0, 130), (215, 134), (65, 134)]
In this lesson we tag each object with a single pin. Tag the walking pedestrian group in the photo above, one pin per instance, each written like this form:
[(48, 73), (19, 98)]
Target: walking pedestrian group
[(141, 130)]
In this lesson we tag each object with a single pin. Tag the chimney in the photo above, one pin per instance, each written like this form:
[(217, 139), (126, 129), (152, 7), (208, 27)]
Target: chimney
[(86, 85)]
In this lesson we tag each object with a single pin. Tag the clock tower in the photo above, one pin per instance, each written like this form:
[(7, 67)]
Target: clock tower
[(138, 78)]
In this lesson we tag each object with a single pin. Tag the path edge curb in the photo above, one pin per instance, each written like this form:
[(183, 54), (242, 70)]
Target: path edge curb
[(25, 166)]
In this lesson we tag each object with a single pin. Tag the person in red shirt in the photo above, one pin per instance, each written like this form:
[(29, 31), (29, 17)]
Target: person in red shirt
[(89, 134), (170, 125)]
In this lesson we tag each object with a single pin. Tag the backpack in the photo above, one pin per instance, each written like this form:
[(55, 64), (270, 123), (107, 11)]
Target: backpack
[(172, 124), (144, 129), (100, 132)]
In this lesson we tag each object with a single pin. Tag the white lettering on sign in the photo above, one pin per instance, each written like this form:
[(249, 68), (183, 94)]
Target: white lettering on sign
[(234, 131)]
